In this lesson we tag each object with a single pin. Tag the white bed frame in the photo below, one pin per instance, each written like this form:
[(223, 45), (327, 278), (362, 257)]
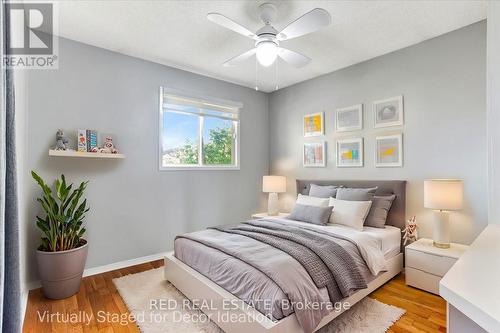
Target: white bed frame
[(198, 288)]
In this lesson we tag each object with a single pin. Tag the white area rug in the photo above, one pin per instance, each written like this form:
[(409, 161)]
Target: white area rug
[(142, 292)]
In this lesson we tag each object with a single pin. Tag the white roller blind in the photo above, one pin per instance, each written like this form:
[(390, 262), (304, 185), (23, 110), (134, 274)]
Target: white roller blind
[(211, 107)]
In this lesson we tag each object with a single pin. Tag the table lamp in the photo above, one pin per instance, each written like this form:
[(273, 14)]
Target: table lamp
[(273, 185), (443, 195)]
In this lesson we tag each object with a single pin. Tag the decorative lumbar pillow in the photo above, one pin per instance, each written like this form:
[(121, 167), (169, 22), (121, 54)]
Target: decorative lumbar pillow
[(312, 201), (323, 191), (349, 213), (356, 194), (379, 211), (311, 214)]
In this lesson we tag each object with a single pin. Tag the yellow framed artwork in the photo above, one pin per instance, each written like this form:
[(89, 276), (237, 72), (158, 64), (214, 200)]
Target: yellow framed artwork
[(313, 124)]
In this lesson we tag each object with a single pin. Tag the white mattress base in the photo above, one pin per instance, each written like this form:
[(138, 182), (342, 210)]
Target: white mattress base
[(198, 288)]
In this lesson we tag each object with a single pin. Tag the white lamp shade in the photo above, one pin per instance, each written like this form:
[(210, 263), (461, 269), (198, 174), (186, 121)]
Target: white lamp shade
[(443, 194), (274, 184)]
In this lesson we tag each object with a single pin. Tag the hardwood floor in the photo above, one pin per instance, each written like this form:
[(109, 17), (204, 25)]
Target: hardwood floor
[(424, 312)]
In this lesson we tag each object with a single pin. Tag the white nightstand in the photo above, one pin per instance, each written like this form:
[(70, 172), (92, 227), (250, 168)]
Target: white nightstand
[(263, 215), (427, 264)]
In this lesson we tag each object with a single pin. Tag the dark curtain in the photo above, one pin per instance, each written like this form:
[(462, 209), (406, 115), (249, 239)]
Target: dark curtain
[(10, 291)]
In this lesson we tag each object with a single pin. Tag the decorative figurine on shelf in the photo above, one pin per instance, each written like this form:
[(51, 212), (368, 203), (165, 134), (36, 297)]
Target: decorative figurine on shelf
[(109, 147), (410, 232), (61, 140)]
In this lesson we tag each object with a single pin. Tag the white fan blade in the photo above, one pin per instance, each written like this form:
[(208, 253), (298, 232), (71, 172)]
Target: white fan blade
[(230, 24), (307, 23), (293, 58), (239, 58)]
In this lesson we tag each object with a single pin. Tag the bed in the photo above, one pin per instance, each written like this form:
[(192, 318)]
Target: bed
[(217, 280)]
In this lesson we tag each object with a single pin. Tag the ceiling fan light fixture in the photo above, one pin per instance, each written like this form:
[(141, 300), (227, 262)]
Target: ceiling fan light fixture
[(267, 39), (267, 52)]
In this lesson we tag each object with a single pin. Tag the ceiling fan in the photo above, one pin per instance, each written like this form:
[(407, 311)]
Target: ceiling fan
[(267, 39)]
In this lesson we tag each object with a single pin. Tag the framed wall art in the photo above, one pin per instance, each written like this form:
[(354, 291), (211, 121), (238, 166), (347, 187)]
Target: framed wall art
[(389, 151), (350, 153), (388, 112), (313, 124), (314, 154), (349, 118)]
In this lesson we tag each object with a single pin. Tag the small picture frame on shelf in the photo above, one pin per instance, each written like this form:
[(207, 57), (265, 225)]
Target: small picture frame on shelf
[(349, 153), (313, 124), (389, 151), (349, 118), (314, 154), (388, 112)]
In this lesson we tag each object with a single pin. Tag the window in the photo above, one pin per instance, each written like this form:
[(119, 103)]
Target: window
[(197, 132)]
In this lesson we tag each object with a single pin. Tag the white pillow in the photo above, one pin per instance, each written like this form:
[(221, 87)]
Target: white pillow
[(312, 201), (349, 213)]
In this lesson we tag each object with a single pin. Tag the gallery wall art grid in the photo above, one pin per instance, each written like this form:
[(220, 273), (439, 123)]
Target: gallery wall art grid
[(349, 152)]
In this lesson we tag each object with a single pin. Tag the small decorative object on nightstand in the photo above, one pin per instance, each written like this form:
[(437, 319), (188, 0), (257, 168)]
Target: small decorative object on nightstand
[(443, 195), (427, 264), (410, 233), (273, 185), (264, 215)]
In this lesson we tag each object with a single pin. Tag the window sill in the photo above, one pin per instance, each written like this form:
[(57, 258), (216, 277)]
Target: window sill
[(203, 168)]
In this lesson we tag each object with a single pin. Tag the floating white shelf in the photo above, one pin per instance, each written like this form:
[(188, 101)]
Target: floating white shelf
[(74, 153)]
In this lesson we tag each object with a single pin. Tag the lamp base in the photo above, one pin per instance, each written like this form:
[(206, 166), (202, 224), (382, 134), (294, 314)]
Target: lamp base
[(441, 233), (273, 205)]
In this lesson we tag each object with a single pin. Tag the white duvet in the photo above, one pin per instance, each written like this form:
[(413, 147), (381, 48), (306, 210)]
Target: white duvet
[(369, 245)]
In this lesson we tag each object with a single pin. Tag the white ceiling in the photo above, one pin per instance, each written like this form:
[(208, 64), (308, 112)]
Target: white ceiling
[(177, 34)]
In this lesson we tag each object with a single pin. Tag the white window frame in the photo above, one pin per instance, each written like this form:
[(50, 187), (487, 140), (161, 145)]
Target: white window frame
[(199, 166)]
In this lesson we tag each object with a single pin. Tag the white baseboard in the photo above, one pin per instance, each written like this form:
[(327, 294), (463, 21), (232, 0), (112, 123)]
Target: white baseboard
[(31, 285), (123, 264)]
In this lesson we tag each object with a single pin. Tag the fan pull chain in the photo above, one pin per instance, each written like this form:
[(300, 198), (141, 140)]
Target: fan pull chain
[(256, 67), (276, 87)]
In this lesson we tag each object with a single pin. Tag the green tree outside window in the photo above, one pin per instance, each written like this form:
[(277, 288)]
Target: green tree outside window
[(218, 151)]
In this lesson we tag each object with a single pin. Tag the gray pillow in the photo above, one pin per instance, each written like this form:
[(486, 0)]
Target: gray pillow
[(323, 191), (311, 214), (356, 194), (379, 211)]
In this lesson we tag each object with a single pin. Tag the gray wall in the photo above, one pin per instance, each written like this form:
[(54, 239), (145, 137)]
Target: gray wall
[(443, 83), (136, 210)]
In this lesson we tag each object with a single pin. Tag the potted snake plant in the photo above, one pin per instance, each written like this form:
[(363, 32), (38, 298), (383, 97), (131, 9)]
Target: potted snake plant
[(62, 253)]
